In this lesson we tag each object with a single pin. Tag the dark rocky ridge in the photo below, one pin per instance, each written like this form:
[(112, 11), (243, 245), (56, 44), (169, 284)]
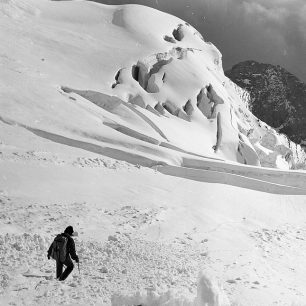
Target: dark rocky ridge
[(277, 96)]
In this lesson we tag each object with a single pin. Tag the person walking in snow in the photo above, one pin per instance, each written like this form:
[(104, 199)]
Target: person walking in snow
[(62, 250)]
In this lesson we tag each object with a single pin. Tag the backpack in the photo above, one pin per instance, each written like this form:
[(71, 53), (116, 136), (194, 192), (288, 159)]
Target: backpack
[(59, 248)]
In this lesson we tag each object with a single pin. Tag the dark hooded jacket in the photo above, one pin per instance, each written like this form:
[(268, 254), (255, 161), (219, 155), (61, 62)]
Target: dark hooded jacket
[(70, 248)]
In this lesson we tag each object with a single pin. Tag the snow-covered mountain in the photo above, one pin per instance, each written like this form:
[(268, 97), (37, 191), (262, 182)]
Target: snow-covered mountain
[(120, 121), (156, 93), (276, 96)]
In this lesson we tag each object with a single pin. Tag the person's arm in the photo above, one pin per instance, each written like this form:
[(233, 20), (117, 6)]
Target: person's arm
[(50, 251), (72, 252)]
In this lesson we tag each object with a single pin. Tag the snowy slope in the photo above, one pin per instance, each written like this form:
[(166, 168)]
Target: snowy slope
[(130, 77), (109, 122)]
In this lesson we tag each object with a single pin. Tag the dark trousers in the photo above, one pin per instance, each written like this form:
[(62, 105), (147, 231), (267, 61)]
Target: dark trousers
[(59, 268)]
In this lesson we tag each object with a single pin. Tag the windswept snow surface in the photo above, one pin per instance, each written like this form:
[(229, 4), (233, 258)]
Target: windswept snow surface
[(109, 122)]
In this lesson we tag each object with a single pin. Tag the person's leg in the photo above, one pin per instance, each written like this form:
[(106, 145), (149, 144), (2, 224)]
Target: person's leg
[(59, 269), (69, 267)]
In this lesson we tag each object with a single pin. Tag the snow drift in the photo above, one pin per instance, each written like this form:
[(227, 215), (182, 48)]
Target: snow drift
[(208, 294)]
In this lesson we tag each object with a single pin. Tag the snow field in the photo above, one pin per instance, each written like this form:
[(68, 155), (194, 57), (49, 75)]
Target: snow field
[(130, 239), (114, 269)]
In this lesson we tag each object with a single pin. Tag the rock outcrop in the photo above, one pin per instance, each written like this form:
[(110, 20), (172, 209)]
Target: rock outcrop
[(277, 97)]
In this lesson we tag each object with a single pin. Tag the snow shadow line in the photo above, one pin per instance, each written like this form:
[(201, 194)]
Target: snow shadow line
[(132, 158), (201, 175), (275, 176), (108, 103), (211, 176)]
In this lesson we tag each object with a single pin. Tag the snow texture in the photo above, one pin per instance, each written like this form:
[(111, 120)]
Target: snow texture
[(111, 121)]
